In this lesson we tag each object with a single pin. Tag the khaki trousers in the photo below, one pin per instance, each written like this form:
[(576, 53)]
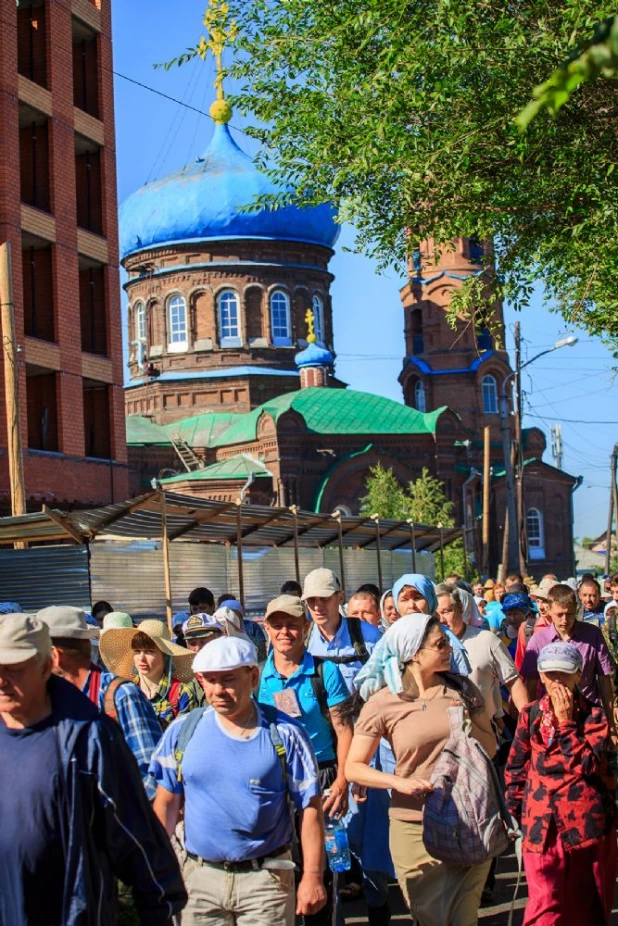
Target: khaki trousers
[(437, 894), (246, 898)]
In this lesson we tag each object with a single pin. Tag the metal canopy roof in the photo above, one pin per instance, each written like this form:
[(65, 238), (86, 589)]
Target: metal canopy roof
[(206, 521)]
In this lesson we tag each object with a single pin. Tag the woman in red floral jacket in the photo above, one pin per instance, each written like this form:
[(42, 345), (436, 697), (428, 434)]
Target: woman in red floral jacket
[(557, 787)]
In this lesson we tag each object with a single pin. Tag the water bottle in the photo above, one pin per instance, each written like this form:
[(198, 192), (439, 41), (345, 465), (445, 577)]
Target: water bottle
[(336, 843)]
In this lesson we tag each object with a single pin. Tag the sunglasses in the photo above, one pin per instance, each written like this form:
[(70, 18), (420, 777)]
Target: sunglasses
[(440, 646)]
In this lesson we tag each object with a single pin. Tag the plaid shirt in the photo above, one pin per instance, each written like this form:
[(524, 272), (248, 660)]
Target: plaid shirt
[(184, 700), (138, 721)]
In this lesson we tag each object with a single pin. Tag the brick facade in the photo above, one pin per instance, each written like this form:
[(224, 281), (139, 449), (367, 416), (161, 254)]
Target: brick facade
[(58, 209), (253, 271)]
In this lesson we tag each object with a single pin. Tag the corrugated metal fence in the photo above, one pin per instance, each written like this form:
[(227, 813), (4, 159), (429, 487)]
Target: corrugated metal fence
[(130, 575), (41, 576)]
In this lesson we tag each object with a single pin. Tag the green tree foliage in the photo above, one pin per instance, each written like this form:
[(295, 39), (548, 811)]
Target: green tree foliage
[(598, 59), (423, 500), (404, 114)]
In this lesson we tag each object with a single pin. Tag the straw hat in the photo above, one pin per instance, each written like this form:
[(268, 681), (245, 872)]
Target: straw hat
[(116, 652)]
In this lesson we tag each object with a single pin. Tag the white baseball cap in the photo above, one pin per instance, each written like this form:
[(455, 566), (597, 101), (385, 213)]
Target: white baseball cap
[(225, 654)]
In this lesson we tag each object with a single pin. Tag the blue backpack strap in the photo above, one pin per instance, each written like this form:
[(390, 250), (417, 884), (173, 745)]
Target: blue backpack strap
[(270, 713), (186, 732)]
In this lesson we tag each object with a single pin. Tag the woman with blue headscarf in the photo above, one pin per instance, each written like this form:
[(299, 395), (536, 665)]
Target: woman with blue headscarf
[(416, 594), (409, 690)]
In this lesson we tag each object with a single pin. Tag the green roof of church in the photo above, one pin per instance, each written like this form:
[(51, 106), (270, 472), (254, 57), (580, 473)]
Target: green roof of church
[(238, 467), (325, 411), (142, 430), (334, 411), (200, 430)]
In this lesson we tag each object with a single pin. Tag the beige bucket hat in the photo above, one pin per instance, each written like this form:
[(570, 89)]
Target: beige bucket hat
[(116, 652)]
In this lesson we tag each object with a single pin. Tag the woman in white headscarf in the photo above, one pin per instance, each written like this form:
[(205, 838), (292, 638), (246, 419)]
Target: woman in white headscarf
[(409, 689)]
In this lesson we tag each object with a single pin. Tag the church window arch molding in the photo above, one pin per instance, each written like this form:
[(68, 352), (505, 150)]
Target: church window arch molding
[(228, 317), (489, 394), (177, 323), (280, 317), (317, 307), (535, 533)]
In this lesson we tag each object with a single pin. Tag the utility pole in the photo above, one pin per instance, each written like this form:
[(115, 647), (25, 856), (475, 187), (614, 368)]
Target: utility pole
[(519, 456), (614, 500), (514, 496), (11, 384), (486, 478), (610, 514), (511, 542), (556, 444)]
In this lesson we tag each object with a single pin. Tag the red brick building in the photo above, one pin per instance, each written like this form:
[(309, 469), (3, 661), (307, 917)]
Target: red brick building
[(58, 210)]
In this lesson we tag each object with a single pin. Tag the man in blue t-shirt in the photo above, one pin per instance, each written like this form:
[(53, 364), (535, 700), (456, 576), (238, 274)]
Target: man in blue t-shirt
[(235, 776), (345, 641)]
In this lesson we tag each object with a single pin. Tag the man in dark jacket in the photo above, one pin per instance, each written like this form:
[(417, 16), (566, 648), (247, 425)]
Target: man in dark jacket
[(74, 813)]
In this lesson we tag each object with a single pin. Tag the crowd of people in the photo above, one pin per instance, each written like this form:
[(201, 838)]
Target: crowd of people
[(199, 765)]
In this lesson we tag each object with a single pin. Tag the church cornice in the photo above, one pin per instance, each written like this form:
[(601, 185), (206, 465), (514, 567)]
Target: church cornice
[(225, 265)]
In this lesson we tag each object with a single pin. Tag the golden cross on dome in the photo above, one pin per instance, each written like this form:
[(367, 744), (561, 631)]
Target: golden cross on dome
[(310, 319), (222, 31)]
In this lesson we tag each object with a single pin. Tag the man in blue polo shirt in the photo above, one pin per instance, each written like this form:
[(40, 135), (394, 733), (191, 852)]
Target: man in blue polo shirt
[(345, 641), (310, 690)]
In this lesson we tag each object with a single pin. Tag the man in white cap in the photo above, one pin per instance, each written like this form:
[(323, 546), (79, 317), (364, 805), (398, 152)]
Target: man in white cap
[(74, 813), (235, 768), (119, 698), (346, 641)]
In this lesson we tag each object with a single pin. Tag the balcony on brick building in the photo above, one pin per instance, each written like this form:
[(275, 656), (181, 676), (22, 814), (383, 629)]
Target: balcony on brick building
[(38, 288), (42, 408), (32, 41), (34, 158), (92, 307), (97, 420), (88, 185), (85, 68)]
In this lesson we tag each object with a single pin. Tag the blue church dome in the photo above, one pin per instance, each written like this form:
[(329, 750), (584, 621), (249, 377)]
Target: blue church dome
[(313, 356), (205, 200)]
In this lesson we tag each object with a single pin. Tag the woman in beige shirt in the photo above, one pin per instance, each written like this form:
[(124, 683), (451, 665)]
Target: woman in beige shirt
[(409, 690)]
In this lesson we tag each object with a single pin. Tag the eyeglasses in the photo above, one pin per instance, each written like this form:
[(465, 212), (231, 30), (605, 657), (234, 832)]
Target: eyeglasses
[(440, 646)]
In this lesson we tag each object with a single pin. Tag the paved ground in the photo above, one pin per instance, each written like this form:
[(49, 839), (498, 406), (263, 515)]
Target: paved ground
[(494, 915)]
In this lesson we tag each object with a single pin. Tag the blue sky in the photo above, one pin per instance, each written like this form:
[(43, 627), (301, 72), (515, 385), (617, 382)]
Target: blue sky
[(574, 386)]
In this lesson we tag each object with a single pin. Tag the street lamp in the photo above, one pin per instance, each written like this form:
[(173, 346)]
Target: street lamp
[(513, 559)]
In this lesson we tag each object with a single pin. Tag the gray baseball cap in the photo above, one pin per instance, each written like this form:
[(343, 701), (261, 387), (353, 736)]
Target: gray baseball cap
[(320, 583), (67, 623), (22, 636)]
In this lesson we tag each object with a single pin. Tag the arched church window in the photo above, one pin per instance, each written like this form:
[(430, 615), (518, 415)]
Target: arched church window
[(177, 323), (228, 308), (534, 533), (317, 304), (280, 319), (416, 324), (489, 392), (420, 398), (139, 318)]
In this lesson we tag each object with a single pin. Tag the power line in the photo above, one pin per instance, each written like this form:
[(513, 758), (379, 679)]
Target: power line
[(571, 420)]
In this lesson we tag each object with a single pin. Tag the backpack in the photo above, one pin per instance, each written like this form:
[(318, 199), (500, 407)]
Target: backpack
[(358, 642), (465, 819), (321, 695), (193, 718)]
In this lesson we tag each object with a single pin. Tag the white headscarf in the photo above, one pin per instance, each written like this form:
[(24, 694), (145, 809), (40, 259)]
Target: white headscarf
[(470, 611), (398, 646)]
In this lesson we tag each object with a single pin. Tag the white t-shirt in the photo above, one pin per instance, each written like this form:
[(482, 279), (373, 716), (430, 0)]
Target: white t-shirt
[(491, 663)]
